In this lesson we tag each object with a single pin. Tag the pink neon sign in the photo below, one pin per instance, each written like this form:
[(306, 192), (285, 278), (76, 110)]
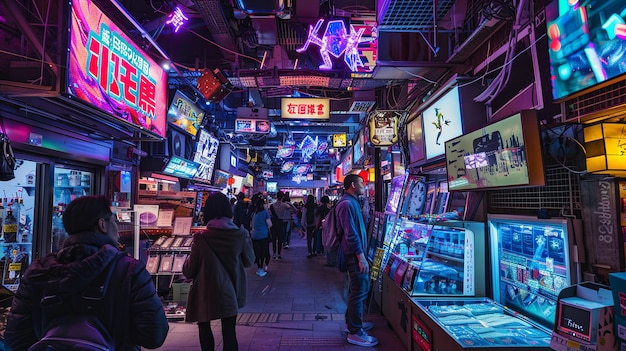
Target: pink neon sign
[(107, 70)]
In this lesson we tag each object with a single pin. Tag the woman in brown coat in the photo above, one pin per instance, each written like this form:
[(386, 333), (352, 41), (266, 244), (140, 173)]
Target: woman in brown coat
[(217, 264)]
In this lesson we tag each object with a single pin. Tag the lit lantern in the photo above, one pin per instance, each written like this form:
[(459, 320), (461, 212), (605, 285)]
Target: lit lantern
[(605, 146)]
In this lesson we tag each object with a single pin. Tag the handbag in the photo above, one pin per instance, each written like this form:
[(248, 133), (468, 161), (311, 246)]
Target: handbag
[(7, 159)]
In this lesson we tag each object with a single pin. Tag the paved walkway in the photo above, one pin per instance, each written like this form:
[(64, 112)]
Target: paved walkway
[(298, 305)]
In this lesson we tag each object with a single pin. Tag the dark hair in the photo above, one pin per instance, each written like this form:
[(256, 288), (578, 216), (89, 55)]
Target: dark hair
[(217, 205), (241, 196), (349, 179), (310, 202), (259, 204), (280, 195), (82, 214), (325, 199)]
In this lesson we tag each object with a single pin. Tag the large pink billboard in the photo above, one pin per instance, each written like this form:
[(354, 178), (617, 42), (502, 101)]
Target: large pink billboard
[(109, 71)]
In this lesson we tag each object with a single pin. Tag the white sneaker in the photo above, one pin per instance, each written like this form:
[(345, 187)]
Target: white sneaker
[(362, 339), (258, 271), (262, 273)]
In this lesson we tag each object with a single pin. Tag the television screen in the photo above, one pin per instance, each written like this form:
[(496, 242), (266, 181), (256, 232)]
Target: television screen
[(585, 44), (574, 319), (185, 113), (395, 193), (220, 179), (271, 187), (442, 122), (205, 155), (134, 89), (415, 139), (496, 155), (358, 151), (181, 168)]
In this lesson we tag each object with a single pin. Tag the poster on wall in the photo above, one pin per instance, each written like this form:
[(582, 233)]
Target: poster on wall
[(383, 127), (107, 70)]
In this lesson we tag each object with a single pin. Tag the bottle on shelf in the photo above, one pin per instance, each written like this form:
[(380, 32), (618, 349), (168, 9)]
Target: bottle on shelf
[(9, 226)]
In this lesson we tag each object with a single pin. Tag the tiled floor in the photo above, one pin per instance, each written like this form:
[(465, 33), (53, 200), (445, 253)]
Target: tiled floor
[(298, 305)]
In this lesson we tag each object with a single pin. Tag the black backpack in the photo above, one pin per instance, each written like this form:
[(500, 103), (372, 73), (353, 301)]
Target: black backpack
[(71, 321)]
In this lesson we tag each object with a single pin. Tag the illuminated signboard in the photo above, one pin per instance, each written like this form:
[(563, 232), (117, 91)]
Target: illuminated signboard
[(384, 127), (305, 108), (442, 122), (249, 125), (340, 140), (107, 70)]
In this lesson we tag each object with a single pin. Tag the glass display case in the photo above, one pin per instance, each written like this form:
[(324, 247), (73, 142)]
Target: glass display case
[(426, 259), (478, 323)]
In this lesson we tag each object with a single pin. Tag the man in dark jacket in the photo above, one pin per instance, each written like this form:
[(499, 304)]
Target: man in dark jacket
[(240, 212), (135, 317)]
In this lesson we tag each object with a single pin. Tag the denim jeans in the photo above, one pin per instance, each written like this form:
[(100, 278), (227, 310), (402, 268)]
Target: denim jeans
[(357, 294)]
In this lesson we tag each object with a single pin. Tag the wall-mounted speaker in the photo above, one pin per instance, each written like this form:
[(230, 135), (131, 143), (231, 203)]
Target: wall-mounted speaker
[(179, 144)]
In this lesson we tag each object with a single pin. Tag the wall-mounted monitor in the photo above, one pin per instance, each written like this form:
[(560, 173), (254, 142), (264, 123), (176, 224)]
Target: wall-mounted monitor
[(220, 178), (442, 122), (205, 155), (503, 154), (181, 168), (271, 187), (585, 45), (107, 70), (359, 151), (415, 140), (185, 114)]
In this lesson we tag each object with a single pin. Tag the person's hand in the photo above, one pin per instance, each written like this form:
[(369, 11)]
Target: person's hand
[(364, 266)]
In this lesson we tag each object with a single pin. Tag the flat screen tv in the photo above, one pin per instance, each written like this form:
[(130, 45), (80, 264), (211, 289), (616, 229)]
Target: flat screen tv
[(220, 178), (181, 168), (395, 193), (359, 149), (415, 140), (107, 70), (585, 45), (205, 155), (503, 154), (185, 114), (442, 122)]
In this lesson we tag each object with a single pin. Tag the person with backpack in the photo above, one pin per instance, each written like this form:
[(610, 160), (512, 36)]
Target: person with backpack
[(58, 299), (309, 213), (351, 229)]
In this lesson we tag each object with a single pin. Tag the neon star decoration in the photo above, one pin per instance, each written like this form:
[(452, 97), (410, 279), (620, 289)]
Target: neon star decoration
[(177, 19), (336, 41)]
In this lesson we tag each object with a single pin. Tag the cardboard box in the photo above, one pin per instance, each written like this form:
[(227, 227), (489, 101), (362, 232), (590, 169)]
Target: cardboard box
[(180, 291)]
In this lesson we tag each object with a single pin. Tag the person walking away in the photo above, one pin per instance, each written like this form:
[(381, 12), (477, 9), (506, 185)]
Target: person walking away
[(261, 224), (277, 230), (293, 211), (285, 211), (309, 212), (216, 264), (240, 215), (322, 211), (353, 243), (137, 319)]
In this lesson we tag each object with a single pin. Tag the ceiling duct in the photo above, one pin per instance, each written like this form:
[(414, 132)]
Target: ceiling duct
[(217, 23)]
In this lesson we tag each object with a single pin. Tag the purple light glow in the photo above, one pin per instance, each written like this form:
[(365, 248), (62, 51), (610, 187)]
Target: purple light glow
[(336, 41), (177, 19)]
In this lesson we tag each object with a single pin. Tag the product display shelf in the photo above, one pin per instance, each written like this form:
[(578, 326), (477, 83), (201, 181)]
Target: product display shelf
[(473, 323)]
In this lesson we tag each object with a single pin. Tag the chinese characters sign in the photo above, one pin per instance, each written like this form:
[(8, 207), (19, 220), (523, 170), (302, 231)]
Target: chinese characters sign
[(383, 126), (305, 108), (110, 72)]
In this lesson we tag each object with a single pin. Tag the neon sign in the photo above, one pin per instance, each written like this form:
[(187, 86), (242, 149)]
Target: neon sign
[(110, 72), (177, 19), (336, 41)]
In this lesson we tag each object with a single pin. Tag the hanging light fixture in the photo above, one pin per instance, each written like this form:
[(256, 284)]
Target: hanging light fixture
[(605, 148)]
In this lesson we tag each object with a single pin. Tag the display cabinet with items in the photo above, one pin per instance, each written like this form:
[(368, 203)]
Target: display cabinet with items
[(165, 260), (427, 259)]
